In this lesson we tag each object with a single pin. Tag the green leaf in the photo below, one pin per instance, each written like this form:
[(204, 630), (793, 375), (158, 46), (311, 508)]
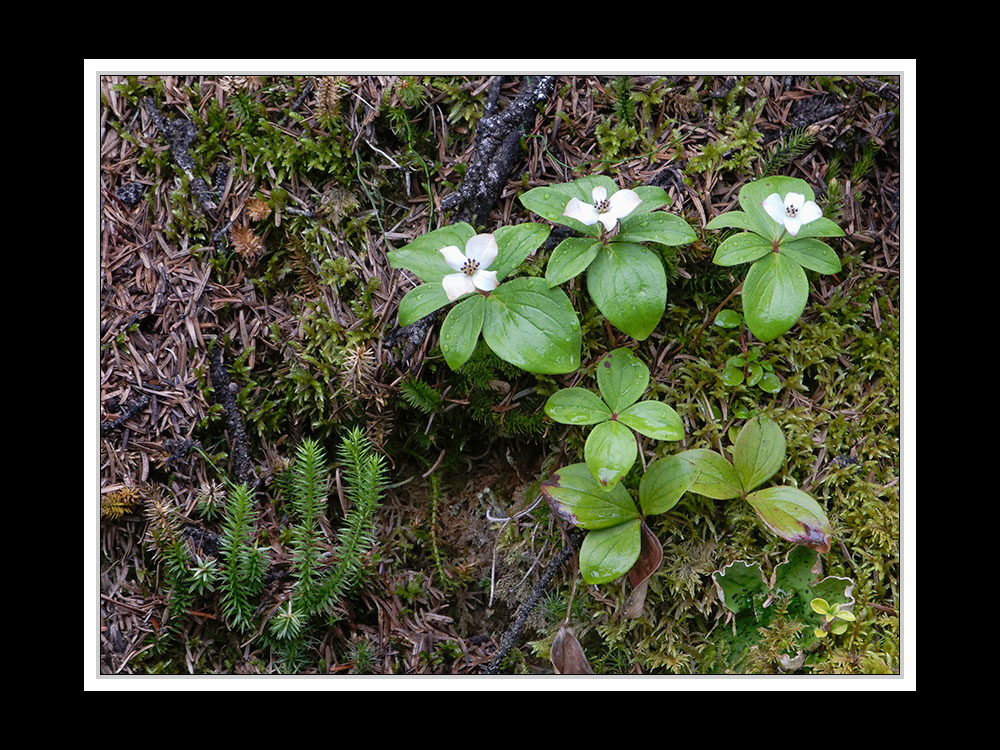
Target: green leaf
[(769, 383), (629, 285), (744, 247), (775, 292), (533, 327), (570, 258), (732, 220), (661, 227), (812, 254), (653, 419), (576, 497), (460, 330), (420, 302), (652, 198), (423, 256), (820, 606), (715, 478), (622, 378), (754, 373), (576, 406), (514, 244), (610, 451), (732, 376), (759, 452), (793, 515), (610, 553), (821, 227), (728, 319), (664, 483)]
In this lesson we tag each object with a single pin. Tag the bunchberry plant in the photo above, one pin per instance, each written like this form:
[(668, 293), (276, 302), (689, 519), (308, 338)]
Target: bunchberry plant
[(522, 320), (616, 526), (610, 450), (758, 454), (782, 222), (626, 280)]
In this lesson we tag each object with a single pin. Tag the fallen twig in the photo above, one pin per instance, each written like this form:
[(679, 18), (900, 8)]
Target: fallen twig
[(514, 631), (225, 395), (498, 149)]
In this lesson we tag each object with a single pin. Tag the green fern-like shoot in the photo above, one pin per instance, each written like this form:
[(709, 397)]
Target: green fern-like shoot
[(364, 473), (318, 589), (308, 482), (243, 562)]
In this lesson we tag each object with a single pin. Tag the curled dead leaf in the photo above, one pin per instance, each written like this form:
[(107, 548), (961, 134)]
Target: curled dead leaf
[(567, 654), (650, 558)]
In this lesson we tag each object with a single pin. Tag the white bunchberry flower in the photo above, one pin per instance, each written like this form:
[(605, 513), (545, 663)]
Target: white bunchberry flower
[(604, 209), (480, 252), (792, 212)]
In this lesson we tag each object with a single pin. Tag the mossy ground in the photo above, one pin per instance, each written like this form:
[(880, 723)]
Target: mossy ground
[(328, 174)]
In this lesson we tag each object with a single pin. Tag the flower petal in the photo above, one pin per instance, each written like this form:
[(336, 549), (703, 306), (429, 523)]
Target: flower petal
[(453, 257), (483, 249), (608, 219), (775, 207), (599, 193), (457, 284), (794, 200), (793, 224), (485, 280), (809, 212), (582, 212), (623, 203)]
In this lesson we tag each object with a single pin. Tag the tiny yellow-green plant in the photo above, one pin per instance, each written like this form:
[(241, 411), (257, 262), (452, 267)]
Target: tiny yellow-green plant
[(834, 619)]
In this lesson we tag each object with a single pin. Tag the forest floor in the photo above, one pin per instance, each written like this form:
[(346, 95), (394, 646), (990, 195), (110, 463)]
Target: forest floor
[(245, 223)]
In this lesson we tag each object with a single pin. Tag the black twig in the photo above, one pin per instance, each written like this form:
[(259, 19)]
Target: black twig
[(514, 631), (498, 149), (130, 409), (306, 90), (888, 91), (179, 135), (225, 394)]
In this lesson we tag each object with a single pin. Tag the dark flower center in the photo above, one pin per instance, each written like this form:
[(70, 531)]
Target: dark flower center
[(470, 266), (603, 206)]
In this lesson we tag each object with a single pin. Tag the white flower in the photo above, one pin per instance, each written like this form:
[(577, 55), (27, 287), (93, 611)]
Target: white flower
[(480, 252), (792, 212), (605, 210)]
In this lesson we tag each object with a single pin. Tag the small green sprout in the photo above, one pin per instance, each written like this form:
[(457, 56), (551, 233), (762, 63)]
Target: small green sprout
[(203, 575), (834, 620)]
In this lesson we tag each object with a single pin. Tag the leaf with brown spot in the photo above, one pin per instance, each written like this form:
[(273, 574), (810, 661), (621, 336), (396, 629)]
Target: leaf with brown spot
[(793, 515), (574, 496)]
